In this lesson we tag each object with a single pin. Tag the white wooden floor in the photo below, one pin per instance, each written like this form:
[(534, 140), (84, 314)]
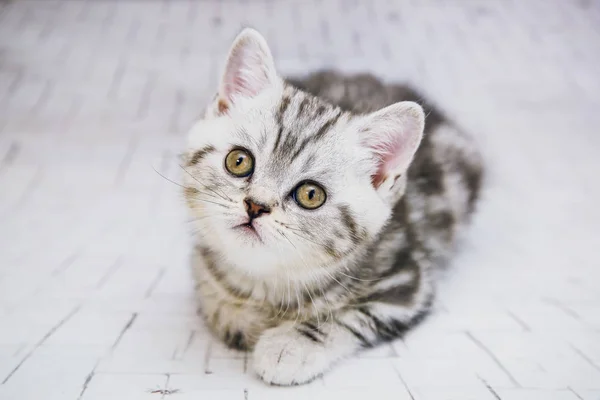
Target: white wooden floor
[(95, 97)]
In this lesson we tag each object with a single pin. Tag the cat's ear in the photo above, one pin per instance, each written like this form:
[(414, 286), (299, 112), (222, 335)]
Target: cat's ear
[(249, 70), (392, 135)]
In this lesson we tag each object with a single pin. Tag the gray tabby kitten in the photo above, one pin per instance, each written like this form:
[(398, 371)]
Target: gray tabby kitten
[(320, 211)]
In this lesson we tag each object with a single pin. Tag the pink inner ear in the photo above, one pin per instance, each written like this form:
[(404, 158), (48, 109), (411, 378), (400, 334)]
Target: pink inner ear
[(236, 83), (389, 157), (243, 87), (245, 74)]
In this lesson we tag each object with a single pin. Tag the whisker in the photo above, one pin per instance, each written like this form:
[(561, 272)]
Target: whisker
[(212, 202), (358, 279), (330, 310), (317, 311), (286, 238), (339, 283), (200, 218), (184, 187), (302, 236), (210, 195), (222, 195), (313, 304), (289, 292), (307, 239), (297, 302), (168, 179), (201, 184), (188, 172)]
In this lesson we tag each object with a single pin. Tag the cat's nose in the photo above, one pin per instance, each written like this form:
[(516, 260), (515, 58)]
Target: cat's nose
[(255, 209)]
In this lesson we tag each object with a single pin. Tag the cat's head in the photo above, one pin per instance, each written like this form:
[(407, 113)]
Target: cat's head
[(281, 181)]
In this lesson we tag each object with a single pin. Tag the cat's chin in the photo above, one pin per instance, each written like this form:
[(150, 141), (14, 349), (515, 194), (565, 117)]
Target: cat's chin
[(253, 263), (253, 256), (254, 251)]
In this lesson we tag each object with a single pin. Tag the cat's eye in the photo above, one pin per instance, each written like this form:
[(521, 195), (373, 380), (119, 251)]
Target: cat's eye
[(239, 162), (309, 195)]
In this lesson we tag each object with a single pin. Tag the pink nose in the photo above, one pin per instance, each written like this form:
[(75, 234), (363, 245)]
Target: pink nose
[(255, 209)]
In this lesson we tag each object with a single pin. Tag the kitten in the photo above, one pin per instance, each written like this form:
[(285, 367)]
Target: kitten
[(320, 211)]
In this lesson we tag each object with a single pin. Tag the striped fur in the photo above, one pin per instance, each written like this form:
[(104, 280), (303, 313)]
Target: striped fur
[(322, 284)]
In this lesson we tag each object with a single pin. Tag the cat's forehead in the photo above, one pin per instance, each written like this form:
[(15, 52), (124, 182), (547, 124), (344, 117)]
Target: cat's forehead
[(303, 118), (302, 134)]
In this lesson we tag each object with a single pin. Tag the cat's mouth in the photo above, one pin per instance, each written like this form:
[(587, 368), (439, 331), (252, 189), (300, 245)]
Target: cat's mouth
[(248, 229)]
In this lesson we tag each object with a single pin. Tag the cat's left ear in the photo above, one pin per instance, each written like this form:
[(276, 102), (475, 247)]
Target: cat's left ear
[(392, 135), (249, 71)]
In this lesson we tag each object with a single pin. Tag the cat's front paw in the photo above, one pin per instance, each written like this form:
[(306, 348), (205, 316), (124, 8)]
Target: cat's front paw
[(285, 356)]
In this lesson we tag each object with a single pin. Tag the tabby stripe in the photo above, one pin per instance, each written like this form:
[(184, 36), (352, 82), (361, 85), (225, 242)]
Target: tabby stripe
[(442, 220), (310, 335), (403, 260), (300, 148), (290, 143), (403, 277), (320, 110), (279, 133), (472, 176), (317, 136), (380, 327), (397, 295), (420, 316), (327, 126), (302, 106), (385, 331), (199, 155), (314, 328), (361, 338), (403, 290), (309, 162), (330, 249), (425, 171), (285, 102), (349, 221)]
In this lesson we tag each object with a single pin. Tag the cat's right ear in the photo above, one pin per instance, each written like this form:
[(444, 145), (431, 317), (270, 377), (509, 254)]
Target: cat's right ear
[(392, 135), (249, 71)]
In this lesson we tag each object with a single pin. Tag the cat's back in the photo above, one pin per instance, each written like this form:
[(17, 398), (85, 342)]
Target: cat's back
[(363, 93)]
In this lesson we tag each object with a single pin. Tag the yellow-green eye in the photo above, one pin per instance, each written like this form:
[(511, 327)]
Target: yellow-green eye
[(239, 163), (309, 195)]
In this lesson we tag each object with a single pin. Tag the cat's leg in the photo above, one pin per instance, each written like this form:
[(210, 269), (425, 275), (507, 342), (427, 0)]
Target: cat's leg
[(292, 354)]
